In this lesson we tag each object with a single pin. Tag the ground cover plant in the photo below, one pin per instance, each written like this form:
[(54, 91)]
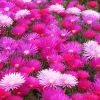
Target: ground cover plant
[(49, 50)]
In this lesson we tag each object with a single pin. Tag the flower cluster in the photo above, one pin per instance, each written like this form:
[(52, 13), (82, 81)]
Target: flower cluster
[(49, 49)]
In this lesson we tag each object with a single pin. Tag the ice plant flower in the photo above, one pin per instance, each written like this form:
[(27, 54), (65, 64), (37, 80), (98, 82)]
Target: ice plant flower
[(53, 94), (27, 1), (5, 21), (68, 80), (26, 49), (91, 49), (90, 16), (72, 47), (22, 13), (57, 8), (12, 81), (49, 77), (73, 11)]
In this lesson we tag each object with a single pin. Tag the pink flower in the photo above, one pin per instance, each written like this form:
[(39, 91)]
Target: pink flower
[(58, 67), (5, 21), (84, 84), (83, 75), (91, 49), (53, 94), (13, 97), (4, 94), (73, 11), (90, 96), (89, 34), (19, 30), (22, 13), (77, 95), (92, 4), (12, 81), (49, 77), (68, 80), (95, 63)]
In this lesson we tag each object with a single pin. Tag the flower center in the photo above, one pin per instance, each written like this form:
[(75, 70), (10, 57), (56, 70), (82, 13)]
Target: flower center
[(26, 52), (72, 20), (70, 50), (89, 21), (65, 81), (98, 55), (11, 82), (6, 9), (17, 65), (73, 31), (51, 81)]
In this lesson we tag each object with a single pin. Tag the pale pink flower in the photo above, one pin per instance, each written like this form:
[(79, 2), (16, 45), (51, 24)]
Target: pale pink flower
[(22, 13), (68, 80), (73, 10), (49, 77), (12, 81), (5, 21), (91, 49), (57, 8)]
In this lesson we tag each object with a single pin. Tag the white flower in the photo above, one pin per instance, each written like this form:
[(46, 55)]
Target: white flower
[(91, 49), (12, 81), (57, 8), (73, 10), (49, 77), (91, 13), (25, 1), (69, 80), (5, 21), (22, 13)]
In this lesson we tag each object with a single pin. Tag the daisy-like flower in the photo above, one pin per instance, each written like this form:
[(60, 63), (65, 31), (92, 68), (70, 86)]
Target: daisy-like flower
[(73, 10), (49, 77), (91, 49), (27, 49), (25, 1), (57, 8), (72, 47), (68, 80), (22, 13), (31, 37), (5, 21), (3, 57), (89, 16), (12, 81), (53, 94), (40, 1)]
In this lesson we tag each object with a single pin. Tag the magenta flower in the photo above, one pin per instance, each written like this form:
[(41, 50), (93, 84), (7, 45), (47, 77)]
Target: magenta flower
[(26, 49), (95, 63), (79, 95), (84, 84), (19, 30), (72, 47), (34, 65), (13, 97), (89, 34), (4, 94), (52, 94), (17, 62), (58, 67)]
